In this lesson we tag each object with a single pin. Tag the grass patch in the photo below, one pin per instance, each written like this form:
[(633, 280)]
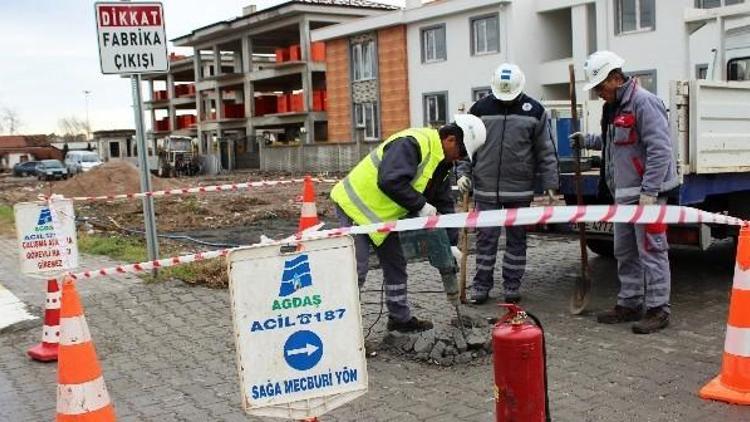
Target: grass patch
[(211, 273), (7, 220), (115, 246)]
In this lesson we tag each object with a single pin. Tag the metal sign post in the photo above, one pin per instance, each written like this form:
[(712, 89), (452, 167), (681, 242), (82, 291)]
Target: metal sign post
[(152, 242), (132, 41)]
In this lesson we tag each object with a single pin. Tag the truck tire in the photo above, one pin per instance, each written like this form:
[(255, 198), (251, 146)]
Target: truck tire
[(601, 247)]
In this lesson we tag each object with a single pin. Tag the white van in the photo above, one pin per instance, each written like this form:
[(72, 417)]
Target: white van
[(78, 161)]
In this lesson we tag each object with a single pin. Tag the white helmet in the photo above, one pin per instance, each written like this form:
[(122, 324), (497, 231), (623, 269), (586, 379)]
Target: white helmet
[(507, 82), (474, 131), (598, 66)]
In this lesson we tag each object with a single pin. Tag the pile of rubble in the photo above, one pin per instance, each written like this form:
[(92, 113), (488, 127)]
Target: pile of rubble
[(110, 178), (445, 347)]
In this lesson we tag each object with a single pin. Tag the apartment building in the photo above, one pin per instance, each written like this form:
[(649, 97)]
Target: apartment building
[(452, 46), (258, 78)]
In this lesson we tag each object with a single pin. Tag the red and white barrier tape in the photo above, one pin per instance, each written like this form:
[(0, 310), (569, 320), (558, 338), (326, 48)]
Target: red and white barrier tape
[(633, 214), (202, 189), (150, 265)]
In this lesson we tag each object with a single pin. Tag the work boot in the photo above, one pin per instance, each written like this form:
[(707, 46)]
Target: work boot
[(413, 325), (479, 297), (620, 314), (512, 297), (654, 320)]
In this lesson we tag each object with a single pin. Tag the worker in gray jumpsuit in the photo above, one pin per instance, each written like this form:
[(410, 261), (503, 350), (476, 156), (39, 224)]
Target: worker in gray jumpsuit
[(519, 146), (639, 168)]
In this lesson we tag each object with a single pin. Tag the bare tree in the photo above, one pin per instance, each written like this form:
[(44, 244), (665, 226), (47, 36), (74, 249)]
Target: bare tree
[(11, 120), (73, 128)]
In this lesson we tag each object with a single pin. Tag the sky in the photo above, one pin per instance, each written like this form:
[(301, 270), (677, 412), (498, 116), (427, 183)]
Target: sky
[(50, 57)]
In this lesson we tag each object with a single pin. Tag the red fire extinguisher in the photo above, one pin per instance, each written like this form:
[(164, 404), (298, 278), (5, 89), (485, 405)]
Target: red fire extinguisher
[(519, 359)]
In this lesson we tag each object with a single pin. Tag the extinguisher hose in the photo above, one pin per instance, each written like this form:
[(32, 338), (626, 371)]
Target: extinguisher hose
[(544, 355)]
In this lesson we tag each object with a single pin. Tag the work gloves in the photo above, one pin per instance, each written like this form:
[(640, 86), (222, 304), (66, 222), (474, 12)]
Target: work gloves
[(427, 211), (464, 184), (647, 200), (456, 253), (577, 140), (453, 298)]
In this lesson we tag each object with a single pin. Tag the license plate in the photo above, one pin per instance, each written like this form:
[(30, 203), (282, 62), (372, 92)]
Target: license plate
[(600, 227)]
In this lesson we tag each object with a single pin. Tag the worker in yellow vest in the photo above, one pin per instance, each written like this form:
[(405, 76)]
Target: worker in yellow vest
[(391, 183)]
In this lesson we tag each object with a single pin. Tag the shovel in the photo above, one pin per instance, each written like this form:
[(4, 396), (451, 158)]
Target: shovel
[(464, 246), (582, 289)]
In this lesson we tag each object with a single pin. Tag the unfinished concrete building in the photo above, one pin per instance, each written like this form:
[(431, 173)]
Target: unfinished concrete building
[(258, 79)]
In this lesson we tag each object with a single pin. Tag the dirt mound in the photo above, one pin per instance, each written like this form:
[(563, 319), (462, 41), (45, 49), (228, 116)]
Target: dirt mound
[(110, 178)]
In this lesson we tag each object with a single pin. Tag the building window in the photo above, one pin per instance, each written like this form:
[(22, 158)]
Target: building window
[(634, 15), (710, 4), (479, 93), (485, 35), (363, 60), (701, 71), (646, 79), (366, 115), (435, 109), (738, 69), (433, 44)]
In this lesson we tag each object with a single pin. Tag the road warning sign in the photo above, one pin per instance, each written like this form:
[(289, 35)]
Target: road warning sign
[(46, 236), (298, 328), (131, 37)]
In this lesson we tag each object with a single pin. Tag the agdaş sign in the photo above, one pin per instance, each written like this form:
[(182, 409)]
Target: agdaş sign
[(131, 38)]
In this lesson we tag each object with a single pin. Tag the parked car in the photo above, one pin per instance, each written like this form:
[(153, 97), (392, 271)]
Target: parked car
[(78, 161), (51, 169), (27, 168)]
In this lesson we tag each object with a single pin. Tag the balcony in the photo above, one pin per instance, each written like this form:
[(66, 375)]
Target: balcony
[(556, 72)]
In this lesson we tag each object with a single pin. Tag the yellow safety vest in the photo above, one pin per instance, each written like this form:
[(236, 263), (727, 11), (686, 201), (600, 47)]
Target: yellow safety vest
[(358, 194)]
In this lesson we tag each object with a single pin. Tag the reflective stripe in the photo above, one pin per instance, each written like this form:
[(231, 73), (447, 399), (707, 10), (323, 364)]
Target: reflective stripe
[(398, 298), (77, 399), (741, 278), (423, 164), (485, 257), (374, 158), (76, 331), (53, 300), (481, 267), (531, 119), (505, 193), (737, 341), (357, 201), (309, 209), (516, 257), (395, 287), (51, 334), (420, 169), (636, 191), (513, 267), (627, 192)]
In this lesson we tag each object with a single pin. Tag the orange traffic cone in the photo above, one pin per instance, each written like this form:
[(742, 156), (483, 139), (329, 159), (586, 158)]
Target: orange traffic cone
[(733, 383), (81, 392), (46, 351), (309, 214)]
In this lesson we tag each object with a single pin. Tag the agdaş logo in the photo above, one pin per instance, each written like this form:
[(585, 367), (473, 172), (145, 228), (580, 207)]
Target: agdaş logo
[(44, 222), (296, 276)]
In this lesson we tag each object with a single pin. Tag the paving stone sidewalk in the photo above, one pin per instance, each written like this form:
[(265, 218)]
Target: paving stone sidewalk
[(167, 349)]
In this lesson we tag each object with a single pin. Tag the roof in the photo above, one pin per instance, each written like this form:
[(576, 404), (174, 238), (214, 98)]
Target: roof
[(354, 4), (23, 141), (39, 153), (431, 10), (113, 132)]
